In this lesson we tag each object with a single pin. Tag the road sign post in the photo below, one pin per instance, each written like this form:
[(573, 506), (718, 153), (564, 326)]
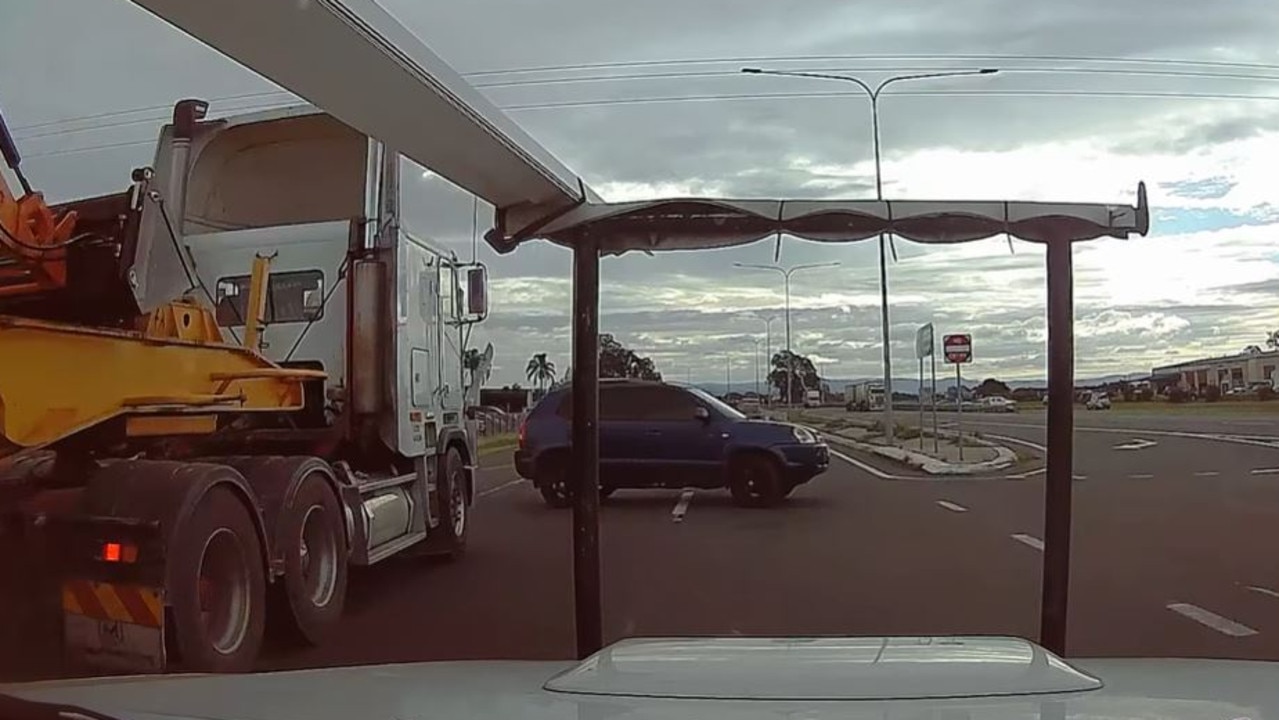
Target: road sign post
[(958, 350), (923, 349)]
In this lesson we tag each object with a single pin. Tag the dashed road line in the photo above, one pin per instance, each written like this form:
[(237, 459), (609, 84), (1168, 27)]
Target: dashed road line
[(953, 507), (1140, 476), (1207, 473), (499, 488), (1262, 590), (1028, 540), (681, 507), (1264, 471), (1207, 618)]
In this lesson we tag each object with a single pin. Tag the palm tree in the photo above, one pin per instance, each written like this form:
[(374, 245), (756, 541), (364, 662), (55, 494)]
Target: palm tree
[(540, 371)]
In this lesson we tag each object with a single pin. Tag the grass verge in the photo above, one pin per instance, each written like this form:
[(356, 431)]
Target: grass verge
[(496, 443)]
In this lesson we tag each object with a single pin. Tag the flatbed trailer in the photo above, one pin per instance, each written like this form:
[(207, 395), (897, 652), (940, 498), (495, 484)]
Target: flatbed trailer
[(221, 389)]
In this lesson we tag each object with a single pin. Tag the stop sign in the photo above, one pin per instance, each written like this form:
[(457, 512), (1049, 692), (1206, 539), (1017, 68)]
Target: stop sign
[(957, 348)]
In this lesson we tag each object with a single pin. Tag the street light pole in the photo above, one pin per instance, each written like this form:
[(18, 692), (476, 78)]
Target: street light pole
[(873, 94), (786, 273)]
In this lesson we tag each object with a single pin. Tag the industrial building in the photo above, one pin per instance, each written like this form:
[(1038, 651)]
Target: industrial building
[(1230, 373)]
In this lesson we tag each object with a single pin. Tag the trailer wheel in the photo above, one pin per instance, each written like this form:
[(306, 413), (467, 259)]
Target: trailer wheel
[(217, 586), (313, 545)]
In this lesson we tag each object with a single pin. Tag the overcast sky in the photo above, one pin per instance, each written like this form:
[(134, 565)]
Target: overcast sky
[(1203, 132)]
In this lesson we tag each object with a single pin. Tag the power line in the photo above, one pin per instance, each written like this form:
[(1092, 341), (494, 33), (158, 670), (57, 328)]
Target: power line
[(694, 75), (940, 93), (127, 143), (1170, 62), (132, 111), (891, 57), (728, 97), (1185, 74), (153, 118)]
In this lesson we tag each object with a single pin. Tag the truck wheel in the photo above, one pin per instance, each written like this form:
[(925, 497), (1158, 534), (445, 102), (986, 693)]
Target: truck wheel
[(455, 521), (756, 480), (217, 586), (313, 544)]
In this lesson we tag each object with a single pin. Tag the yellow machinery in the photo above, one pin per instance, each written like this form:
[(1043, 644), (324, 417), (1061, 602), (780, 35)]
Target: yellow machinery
[(103, 529), (159, 480), (173, 375)]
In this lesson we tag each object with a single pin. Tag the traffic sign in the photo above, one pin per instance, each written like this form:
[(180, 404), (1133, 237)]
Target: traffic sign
[(924, 341), (957, 348)]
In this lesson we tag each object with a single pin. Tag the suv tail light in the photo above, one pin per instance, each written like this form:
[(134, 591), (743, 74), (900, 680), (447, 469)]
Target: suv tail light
[(519, 436)]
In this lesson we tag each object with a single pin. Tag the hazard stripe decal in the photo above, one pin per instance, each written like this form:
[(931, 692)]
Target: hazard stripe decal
[(122, 603)]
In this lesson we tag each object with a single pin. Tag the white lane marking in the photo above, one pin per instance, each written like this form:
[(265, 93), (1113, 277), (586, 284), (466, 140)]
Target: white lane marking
[(1028, 540), (863, 466), (499, 488), (1223, 625), (1019, 441), (1207, 473), (1078, 477), (681, 507), (1023, 476), (1265, 471), (953, 507), (1263, 590), (1136, 444), (1141, 476), (1254, 440)]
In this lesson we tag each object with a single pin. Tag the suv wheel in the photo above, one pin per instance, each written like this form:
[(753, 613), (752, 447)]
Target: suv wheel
[(552, 482), (756, 480)]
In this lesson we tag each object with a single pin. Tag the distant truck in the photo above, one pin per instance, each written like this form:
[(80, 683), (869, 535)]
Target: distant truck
[(864, 396), (813, 398)]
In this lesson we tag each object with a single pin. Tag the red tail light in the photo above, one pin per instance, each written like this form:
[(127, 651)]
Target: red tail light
[(519, 436)]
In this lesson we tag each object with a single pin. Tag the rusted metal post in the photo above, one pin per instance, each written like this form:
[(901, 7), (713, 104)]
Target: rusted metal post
[(1061, 418), (584, 471)]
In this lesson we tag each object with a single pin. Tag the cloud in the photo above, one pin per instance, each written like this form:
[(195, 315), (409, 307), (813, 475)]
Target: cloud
[(1203, 282)]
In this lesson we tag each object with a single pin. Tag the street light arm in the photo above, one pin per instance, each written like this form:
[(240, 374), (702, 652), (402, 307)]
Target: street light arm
[(811, 266), (751, 266), (819, 76), (929, 76)]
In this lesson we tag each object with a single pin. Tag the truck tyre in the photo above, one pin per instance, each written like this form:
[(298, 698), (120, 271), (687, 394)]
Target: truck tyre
[(755, 480), (312, 543), (216, 586), (455, 517)]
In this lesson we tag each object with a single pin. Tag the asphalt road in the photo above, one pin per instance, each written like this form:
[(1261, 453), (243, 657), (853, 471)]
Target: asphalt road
[(1175, 541)]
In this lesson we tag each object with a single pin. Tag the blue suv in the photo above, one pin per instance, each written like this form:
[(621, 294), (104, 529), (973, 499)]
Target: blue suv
[(664, 435)]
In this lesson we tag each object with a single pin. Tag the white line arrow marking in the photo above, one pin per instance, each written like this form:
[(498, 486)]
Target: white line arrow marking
[(1136, 444)]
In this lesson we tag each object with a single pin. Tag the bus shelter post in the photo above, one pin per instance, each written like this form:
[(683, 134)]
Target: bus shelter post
[(584, 469), (1061, 408)]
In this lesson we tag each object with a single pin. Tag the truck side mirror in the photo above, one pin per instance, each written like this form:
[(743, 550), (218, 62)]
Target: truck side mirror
[(477, 298)]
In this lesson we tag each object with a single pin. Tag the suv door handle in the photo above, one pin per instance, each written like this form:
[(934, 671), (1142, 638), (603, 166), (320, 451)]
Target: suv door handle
[(652, 432)]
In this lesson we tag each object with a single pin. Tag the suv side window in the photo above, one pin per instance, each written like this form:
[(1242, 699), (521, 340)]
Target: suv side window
[(622, 403), (636, 402), (667, 404)]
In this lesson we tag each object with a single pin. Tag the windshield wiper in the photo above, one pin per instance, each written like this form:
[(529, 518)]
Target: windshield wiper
[(16, 708)]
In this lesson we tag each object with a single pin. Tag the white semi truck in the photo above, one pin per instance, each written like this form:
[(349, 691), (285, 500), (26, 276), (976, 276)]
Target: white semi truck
[(863, 396), (227, 384)]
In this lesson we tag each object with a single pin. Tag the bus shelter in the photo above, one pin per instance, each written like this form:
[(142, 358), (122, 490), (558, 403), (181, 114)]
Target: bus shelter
[(593, 229)]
